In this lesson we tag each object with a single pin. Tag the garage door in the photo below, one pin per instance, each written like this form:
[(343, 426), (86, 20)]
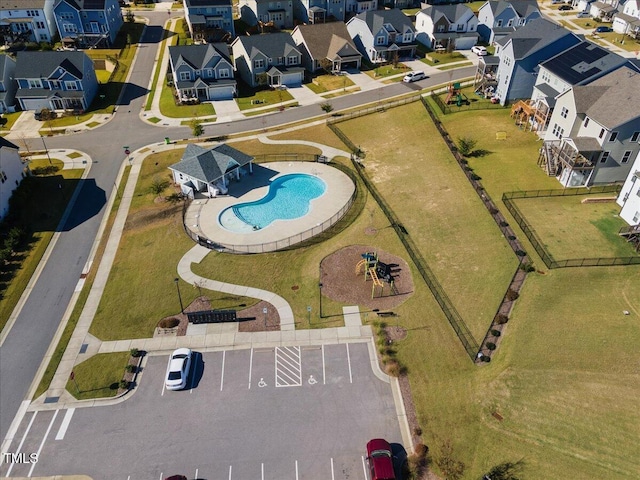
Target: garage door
[(34, 103), (221, 93)]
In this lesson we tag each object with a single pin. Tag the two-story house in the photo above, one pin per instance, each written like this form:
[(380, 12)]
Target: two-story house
[(319, 11), (91, 23), (326, 45), (522, 52), (594, 131), (452, 26), (277, 13), (629, 198), (209, 20), (578, 65), (8, 85), (27, 20), (498, 18), (383, 35), (11, 173), (271, 59), (204, 72), (605, 9), (354, 7), (628, 21), (55, 80)]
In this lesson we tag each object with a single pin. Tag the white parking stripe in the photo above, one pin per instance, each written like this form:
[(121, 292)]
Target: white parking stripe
[(349, 361), (19, 449), (44, 439), (196, 475), (333, 477), (222, 376), (262, 470), (296, 469), (364, 467), (324, 374), (65, 424), (229, 472), (250, 366)]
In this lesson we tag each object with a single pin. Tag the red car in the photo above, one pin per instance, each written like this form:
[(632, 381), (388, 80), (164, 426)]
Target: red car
[(380, 459)]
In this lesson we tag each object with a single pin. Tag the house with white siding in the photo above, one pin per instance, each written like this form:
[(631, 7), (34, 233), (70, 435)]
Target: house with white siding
[(452, 26), (28, 20), (628, 21), (629, 198), (8, 84), (498, 18), (11, 173)]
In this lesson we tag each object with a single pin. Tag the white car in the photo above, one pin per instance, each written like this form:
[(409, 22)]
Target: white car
[(178, 369), (414, 76), (479, 50), (583, 15)]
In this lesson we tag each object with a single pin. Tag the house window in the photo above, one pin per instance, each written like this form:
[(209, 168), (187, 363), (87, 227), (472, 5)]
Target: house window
[(280, 61), (601, 133), (258, 63), (35, 84), (499, 23), (634, 137), (185, 76), (557, 131), (586, 121), (40, 25), (69, 28), (208, 72), (224, 73), (440, 28), (605, 157), (613, 136), (292, 60), (103, 27), (379, 40), (510, 23), (564, 112), (637, 215), (54, 84), (626, 156), (71, 85)]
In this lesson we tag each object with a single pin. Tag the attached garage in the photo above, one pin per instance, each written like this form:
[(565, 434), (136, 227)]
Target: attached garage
[(36, 104)]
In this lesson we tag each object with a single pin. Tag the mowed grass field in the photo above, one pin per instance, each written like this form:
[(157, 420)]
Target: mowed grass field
[(417, 175)]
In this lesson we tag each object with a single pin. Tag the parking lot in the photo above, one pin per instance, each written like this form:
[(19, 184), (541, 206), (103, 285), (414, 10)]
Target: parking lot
[(273, 413)]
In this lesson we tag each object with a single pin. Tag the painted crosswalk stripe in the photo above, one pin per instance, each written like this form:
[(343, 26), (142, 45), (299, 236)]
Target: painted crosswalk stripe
[(288, 367), (65, 424), (44, 439)]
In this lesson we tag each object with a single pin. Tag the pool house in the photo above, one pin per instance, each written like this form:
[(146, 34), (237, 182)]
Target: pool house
[(209, 170)]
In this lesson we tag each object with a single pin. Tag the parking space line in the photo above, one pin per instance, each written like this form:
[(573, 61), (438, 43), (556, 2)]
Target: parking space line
[(324, 373), (349, 362), (262, 470), (65, 424), (296, 469), (19, 449), (250, 366), (193, 376), (333, 477), (196, 475), (222, 376), (44, 439), (364, 467), (229, 472)]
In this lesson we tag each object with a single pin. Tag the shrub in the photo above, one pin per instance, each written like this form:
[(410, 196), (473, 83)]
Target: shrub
[(47, 170), (521, 253), (421, 450), (134, 352), (417, 431), (527, 267), (496, 333), (486, 358), (466, 145), (501, 319), (169, 322), (326, 107), (512, 295), (131, 368), (493, 210), (504, 224), (124, 384), (491, 345)]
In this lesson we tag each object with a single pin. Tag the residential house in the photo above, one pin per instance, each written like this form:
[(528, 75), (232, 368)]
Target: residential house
[(605, 9), (319, 11), (208, 170), (271, 59), (27, 20), (594, 131), (55, 80), (91, 23), (629, 198), (578, 65), (354, 7), (498, 18), (11, 173), (452, 26), (523, 51), (276, 13), (383, 35), (209, 20), (582, 5), (8, 85), (628, 21), (326, 45), (202, 71)]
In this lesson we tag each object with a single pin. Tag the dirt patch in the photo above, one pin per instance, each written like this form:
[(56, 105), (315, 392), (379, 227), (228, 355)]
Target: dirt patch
[(341, 282)]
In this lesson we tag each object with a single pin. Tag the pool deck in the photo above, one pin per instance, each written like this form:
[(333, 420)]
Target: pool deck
[(202, 215)]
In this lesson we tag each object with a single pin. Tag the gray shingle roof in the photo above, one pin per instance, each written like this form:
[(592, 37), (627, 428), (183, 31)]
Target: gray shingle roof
[(43, 64), (375, 19), (273, 45), (84, 4), (522, 7), (611, 100), (208, 3), (4, 59), (451, 12), (326, 40), (209, 164), (534, 36), (198, 55)]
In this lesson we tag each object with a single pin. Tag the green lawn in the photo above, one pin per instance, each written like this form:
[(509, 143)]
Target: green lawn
[(437, 59), (426, 188), (10, 120), (251, 98), (169, 108), (387, 70), (99, 376), (571, 229), (327, 83)]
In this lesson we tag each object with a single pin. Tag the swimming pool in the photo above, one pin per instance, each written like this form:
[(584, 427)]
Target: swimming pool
[(289, 197)]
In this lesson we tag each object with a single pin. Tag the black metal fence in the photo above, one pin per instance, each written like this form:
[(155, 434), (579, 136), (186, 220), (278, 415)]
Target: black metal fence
[(508, 199)]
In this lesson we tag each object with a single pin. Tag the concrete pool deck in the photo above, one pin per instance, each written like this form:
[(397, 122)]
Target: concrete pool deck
[(202, 215)]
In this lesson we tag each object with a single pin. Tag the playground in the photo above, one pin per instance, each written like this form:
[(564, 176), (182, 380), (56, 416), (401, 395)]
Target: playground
[(366, 276)]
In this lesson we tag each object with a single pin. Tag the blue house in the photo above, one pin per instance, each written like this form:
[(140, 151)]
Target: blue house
[(209, 20), (55, 80), (90, 22)]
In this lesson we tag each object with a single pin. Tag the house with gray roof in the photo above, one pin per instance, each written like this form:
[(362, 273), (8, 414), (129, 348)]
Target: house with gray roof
[(452, 26), (55, 80), (326, 45), (202, 72), (319, 11), (522, 52), (594, 131), (12, 171), (498, 18), (605, 9), (8, 85), (278, 14), (383, 35), (27, 20), (90, 23), (209, 20), (579, 65), (270, 59), (209, 170)]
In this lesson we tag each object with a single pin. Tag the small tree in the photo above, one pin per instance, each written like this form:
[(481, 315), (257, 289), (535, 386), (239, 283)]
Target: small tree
[(451, 468), (196, 127), (326, 107), (158, 185), (506, 471), (466, 145)]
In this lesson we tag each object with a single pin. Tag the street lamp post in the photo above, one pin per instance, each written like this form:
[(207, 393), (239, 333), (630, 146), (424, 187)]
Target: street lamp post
[(176, 280), (320, 309), (46, 149)]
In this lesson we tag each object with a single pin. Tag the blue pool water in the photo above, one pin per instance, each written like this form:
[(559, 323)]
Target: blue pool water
[(288, 198)]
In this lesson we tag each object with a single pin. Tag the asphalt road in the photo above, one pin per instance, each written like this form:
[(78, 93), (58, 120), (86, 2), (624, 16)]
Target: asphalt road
[(27, 342)]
